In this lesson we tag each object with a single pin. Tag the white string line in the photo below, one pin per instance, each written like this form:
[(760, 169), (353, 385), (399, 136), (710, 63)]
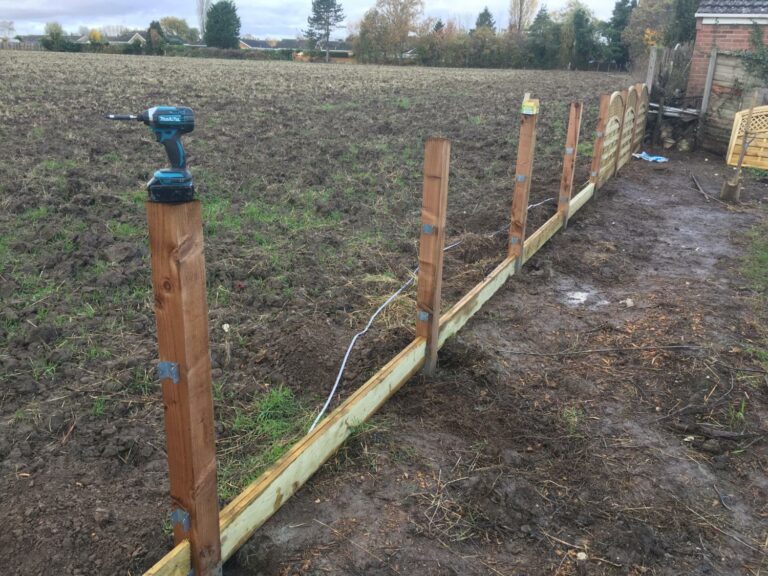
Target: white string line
[(381, 308)]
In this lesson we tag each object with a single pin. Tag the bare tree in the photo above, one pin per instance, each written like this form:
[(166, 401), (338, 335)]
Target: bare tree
[(202, 13), (521, 13), (7, 29), (113, 30)]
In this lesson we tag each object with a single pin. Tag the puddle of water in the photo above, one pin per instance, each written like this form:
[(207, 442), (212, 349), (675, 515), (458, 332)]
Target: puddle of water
[(576, 298)]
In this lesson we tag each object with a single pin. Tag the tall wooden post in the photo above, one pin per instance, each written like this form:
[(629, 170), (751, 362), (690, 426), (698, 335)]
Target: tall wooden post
[(569, 160), (597, 149), (707, 93), (181, 310), (437, 155), (650, 75), (523, 172)]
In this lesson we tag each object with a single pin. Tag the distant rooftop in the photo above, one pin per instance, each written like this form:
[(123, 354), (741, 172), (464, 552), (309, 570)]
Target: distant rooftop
[(289, 44), (733, 7)]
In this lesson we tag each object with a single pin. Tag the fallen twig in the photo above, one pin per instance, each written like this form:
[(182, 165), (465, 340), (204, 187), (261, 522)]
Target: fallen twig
[(707, 196), (739, 540), (601, 350), (722, 500), (736, 369)]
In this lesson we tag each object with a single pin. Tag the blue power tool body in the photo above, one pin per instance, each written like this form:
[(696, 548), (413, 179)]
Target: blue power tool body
[(174, 184)]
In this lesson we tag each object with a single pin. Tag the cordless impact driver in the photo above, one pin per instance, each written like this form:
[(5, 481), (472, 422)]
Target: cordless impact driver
[(172, 184)]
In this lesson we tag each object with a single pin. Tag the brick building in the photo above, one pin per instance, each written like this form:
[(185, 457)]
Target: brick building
[(726, 24)]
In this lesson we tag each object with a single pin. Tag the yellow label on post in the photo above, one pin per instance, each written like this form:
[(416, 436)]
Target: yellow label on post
[(530, 107)]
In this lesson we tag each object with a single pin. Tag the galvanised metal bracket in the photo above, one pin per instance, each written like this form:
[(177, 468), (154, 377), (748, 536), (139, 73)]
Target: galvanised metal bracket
[(564, 199), (423, 316), (514, 240), (168, 371), (599, 133), (593, 174), (569, 150), (180, 517), (427, 229), (520, 177)]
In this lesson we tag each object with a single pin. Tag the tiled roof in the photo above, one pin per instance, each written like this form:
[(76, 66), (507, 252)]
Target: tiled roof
[(733, 7)]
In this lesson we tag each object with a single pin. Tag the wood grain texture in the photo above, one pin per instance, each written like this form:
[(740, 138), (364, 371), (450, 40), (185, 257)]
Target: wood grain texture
[(597, 148), (181, 311), (569, 160), (260, 500), (523, 172), (621, 115), (264, 497), (175, 563), (437, 154)]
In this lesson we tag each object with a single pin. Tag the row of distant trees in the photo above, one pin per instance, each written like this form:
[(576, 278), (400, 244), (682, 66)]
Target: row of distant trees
[(221, 30), (395, 31)]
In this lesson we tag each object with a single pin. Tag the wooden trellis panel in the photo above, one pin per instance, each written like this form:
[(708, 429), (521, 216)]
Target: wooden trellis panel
[(628, 128), (757, 152), (611, 141), (641, 114)]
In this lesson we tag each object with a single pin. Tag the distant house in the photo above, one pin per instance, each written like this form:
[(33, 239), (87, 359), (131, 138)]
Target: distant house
[(33, 39), (270, 44), (339, 49), (723, 30), (126, 38), (726, 24)]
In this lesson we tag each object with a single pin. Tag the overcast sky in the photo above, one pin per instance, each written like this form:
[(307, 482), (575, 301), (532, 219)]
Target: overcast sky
[(263, 18)]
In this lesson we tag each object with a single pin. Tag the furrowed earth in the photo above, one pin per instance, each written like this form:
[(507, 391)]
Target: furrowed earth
[(604, 414)]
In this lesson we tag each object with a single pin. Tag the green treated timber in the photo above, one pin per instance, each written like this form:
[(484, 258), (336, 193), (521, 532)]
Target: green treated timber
[(241, 517), (581, 198), (176, 563), (536, 240), (261, 499), (464, 309)]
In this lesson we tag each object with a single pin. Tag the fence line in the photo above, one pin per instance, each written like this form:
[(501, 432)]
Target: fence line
[(621, 124), (21, 46)]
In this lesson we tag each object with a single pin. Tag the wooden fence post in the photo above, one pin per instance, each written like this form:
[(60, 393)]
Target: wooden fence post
[(597, 149), (707, 92), (437, 155), (523, 172), (650, 74), (569, 160), (181, 311)]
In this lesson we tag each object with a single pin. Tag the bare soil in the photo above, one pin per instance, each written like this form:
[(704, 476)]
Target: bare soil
[(310, 181), (528, 449)]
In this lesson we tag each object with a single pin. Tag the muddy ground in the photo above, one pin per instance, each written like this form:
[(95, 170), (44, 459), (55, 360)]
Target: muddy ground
[(310, 183), (527, 450)]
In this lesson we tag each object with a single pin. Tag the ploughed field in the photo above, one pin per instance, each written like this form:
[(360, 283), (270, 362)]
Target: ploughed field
[(310, 180)]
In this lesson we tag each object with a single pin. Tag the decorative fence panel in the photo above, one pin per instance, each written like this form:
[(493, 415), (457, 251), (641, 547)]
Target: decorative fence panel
[(641, 116), (628, 128), (611, 141)]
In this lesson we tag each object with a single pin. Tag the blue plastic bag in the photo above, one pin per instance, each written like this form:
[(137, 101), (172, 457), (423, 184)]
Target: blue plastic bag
[(648, 158)]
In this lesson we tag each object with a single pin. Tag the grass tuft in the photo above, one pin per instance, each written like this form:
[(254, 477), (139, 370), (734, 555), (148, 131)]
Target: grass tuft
[(259, 434)]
